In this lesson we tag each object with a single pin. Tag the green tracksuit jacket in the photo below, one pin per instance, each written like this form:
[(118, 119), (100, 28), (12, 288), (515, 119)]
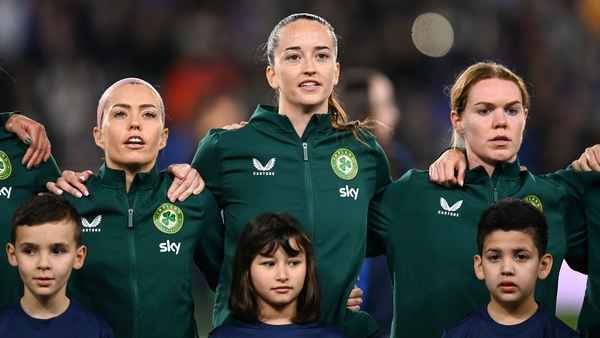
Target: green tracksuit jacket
[(585, 187), (140, 251), (16, 185), (325, 178), (430, 239)]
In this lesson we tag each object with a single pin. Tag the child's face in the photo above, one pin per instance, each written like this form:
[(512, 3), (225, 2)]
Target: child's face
[(45, 255), (279, 279), (510, 266)]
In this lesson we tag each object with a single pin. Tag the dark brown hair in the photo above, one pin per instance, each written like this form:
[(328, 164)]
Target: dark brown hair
[(42, 209), (513, 214), (263, 236)]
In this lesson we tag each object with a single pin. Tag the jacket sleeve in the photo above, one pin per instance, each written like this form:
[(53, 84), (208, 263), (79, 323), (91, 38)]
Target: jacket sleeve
[(375, 243), (46, 172), (209, 163), (576, 184), (4, 116), (208, 256)]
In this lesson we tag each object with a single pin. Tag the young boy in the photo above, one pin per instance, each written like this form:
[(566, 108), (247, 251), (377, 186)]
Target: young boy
[(46, 246), (512, 237)]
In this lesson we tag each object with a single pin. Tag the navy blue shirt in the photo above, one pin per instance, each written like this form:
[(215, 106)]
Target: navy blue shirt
[(77, 321), (480, 324), (258, 329)]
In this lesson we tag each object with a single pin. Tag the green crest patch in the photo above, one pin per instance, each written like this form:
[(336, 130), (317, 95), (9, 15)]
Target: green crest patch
[(535, 201), (5, 166), (168, 218), (343, 163)]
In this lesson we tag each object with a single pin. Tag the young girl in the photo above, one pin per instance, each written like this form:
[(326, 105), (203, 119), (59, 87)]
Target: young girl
[(275, 288)]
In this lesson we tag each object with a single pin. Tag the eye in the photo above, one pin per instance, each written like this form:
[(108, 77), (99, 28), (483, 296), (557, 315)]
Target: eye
[(512, 111), (323, 56), (484, 111), (293, 57), (119, 113), (494, 257), (268, 263), (294, 263), (149, 114), (58, 251), (521, 257), (28, 251)]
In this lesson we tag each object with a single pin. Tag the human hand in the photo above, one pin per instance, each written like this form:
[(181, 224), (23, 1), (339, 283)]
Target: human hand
[(355, 299), (234, 126), (443, 170), (187, 181), (71, 182), (34, 135), (589, 160)]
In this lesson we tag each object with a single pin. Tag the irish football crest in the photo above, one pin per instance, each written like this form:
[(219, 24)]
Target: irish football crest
[(5, 166), (168, 218), (535, 201), (343, 163)]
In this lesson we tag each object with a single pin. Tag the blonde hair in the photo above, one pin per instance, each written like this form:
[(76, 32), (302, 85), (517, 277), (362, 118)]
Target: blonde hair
[(130, 80)]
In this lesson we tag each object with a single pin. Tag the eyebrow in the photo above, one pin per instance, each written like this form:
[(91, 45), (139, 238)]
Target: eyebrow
[(53, 245), (489, 103), (299, 48), (125, 105)]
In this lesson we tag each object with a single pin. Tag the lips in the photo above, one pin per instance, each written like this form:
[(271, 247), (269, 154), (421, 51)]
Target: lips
[(309, 84), (282, 289), (508, 286), (135, 142), (44, 281)]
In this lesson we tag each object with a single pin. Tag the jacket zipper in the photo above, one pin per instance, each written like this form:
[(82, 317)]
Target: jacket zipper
[(309, 192), (134, 283)]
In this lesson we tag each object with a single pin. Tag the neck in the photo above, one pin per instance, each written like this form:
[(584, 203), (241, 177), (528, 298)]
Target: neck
[(45, 307), (277, 315), (512, 313), (300, 115)]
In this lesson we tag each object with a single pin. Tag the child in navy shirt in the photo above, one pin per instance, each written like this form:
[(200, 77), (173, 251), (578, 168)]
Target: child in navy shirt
[(512, 237), (46, 246)]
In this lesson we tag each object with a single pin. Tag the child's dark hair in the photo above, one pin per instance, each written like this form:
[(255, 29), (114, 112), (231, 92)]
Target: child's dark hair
[(46, 208), (263, 236), (514, 214)]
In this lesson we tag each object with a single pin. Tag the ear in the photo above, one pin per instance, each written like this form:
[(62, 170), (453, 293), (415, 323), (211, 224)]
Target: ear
[(526, 112), (457, 122), (478, 265), (271, 78), (163, 138), (336, 75), (10, 252), (545, 266), (80, 257), (99, 138)]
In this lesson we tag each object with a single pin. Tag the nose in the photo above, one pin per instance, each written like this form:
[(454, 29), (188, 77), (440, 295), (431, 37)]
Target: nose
[(282, 274), (499, 119), (309, 66), (134, 122), (44, 262), (507, 269)]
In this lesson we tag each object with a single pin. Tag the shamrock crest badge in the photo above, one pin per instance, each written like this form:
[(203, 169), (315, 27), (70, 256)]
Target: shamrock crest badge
[(344, 164), (168, 218)]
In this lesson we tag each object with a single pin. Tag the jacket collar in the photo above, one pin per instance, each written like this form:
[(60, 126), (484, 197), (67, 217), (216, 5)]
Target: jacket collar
[(270, 114), (116, 177), (503, 169)]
